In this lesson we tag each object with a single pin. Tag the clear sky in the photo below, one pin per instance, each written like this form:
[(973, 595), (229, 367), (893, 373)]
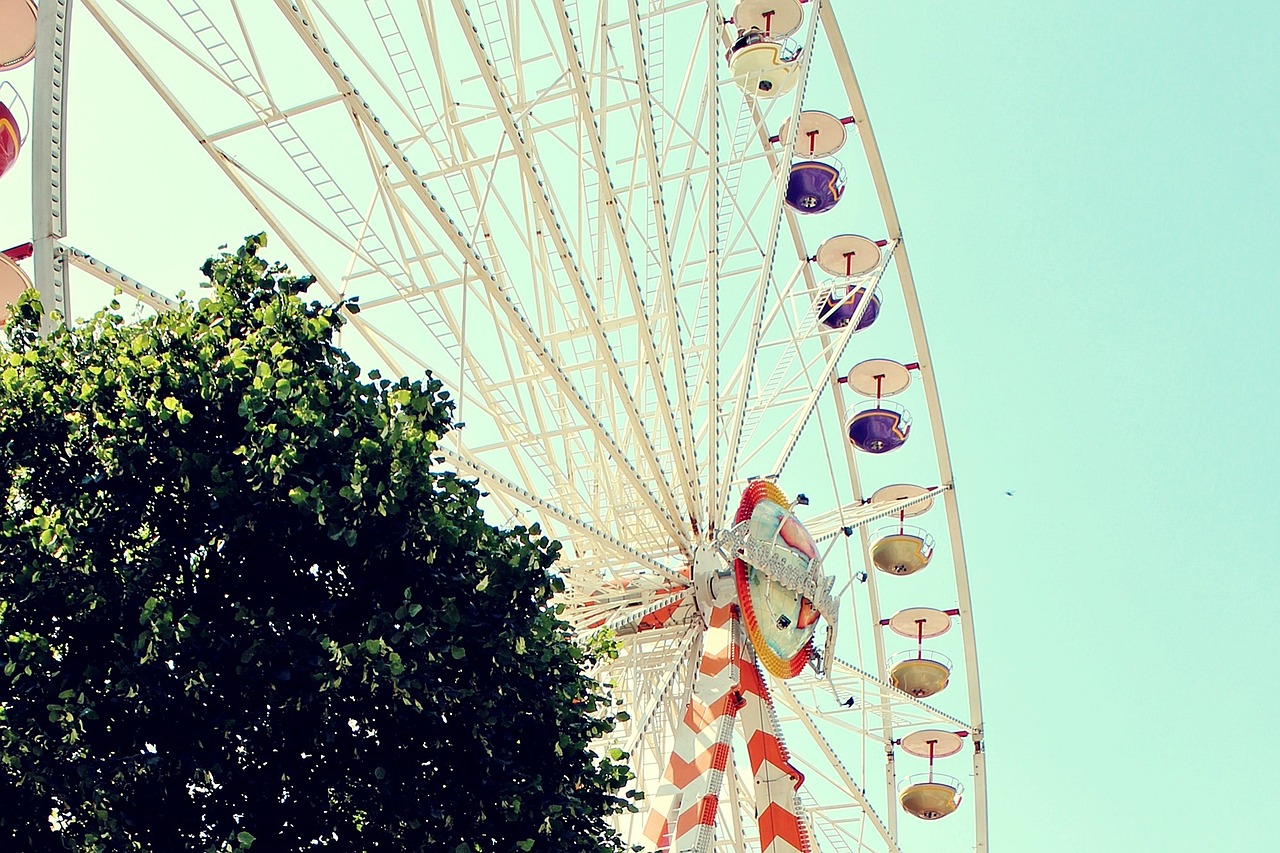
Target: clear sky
[(1089, 194), (1089, 191)]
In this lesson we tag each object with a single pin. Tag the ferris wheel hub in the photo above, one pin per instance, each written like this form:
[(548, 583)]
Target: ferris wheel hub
[(713, 583)]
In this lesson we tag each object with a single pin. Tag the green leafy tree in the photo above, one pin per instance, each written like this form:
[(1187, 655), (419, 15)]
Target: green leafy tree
[(240, 607)]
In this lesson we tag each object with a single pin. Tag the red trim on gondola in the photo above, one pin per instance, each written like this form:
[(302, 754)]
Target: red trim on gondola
[(20, 252)]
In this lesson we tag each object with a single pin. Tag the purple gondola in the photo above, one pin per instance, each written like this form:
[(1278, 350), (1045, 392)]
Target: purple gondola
[(837, 309), (814, 186), (879, 426)]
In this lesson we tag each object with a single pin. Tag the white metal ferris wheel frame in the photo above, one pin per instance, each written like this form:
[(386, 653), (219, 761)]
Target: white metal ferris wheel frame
[(52, 257)]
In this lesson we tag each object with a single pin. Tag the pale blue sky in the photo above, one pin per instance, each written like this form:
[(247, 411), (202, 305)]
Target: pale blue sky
[(1088, 191)]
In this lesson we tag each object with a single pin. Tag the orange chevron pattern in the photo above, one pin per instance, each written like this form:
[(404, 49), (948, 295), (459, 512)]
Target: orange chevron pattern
[(655, 829), (781, 832), (777, 780), (684, 808), (727, 686), (703, 815), (681, 773), (722, 616), (765, 748)]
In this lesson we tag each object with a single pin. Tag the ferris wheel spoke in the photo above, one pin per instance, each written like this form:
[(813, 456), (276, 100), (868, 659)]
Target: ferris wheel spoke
[(712, 273), (608, 201), (792, 360), (657, 234), (543, 356), (737, 405), (849, 786), (403, 227), (579, 526), (839, 521), (797, 359), (881, 702), (656, 688), (736, 262), (549, 219)]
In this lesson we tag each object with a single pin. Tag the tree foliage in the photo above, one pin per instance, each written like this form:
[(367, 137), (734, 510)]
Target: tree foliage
[(241, 608)]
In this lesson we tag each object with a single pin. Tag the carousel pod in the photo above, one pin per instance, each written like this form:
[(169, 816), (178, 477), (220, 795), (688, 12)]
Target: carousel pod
[(840, 305), (901, 549), (764, 67), (920, 672), (814, 186), (10, 137), (879, 426), (848, 257), (930, 796), (17, 33)]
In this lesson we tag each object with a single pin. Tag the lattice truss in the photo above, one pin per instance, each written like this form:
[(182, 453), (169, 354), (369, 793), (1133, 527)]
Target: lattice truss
[(571, 214)]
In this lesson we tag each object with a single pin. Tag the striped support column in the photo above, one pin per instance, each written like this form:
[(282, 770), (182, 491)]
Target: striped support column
[(682, 819), (777, 781)]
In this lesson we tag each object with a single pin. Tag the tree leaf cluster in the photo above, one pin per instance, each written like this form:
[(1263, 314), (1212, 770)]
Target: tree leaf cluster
[(241, 607)]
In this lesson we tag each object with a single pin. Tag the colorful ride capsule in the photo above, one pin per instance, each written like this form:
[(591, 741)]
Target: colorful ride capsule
[(17, 33), (10, 138), (921, 672), (762, 66), (13, 283), (930, 796), (814, 186), (779, 621), (838, 308), (878, 426), (901, 549)]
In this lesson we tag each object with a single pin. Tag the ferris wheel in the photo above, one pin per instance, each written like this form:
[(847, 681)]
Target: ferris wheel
[(650, 248)]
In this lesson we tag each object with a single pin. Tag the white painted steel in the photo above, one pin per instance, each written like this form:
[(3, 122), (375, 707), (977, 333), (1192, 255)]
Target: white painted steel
[(48, 160)]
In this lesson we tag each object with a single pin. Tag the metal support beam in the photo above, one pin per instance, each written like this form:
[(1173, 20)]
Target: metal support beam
[(115, 278), (48, 161)]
